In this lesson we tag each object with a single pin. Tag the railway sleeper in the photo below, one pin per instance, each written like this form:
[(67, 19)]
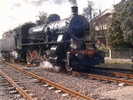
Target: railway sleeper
[(58, 91), (11, 88), (51, 88), (65, 94), (13, 92), (122, 84), (17, 96)]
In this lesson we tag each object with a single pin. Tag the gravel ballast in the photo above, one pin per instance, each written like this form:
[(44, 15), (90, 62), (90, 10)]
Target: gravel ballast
[(99, 90)]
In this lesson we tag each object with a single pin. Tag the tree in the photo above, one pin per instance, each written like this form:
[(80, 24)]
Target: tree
[(121, 30), (42, 18), (88, 11)]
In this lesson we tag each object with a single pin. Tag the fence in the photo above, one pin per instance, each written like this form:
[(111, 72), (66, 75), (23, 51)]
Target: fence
[(125, 53)]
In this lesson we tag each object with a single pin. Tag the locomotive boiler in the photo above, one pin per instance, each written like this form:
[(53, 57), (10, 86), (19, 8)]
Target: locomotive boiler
[(63, 43)]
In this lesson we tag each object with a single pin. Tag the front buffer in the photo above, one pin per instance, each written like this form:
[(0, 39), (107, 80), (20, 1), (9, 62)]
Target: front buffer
[(85, 59)]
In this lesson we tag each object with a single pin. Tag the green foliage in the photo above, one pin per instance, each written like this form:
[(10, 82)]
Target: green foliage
[(121, 30)]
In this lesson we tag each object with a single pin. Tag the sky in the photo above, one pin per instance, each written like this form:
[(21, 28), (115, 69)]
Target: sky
[(17, 12)]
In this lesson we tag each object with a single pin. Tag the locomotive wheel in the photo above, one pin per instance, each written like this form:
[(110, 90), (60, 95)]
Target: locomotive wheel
[(32, 57), (28, 59)]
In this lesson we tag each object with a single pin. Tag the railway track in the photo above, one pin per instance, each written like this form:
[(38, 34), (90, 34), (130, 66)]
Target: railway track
[(15, 88), (110, 79), (51, 84), (116, 77), (125, 75)]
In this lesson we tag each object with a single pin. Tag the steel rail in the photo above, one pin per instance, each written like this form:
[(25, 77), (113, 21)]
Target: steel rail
[(51, 83), (122, 74), (19, 89), (101, 77)]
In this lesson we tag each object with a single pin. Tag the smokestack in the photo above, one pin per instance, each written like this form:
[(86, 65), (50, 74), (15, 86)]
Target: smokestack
[(74, 10)]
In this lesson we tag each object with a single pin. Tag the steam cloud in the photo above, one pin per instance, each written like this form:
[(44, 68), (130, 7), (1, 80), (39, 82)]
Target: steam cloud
[(73, 2), (36, 2), (58, 1), (40, 2)]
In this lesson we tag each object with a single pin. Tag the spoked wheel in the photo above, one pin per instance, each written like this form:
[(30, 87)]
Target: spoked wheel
[(68, 68), (28, 59)]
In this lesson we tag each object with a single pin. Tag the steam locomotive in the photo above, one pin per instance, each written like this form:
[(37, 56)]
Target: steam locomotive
[(63, 43)]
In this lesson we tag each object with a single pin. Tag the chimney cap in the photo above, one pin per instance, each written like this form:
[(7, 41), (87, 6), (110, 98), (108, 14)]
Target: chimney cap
[(74, 10)]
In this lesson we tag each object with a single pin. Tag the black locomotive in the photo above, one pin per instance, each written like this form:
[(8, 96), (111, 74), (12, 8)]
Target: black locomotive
[(61, 42)]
